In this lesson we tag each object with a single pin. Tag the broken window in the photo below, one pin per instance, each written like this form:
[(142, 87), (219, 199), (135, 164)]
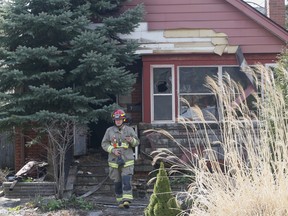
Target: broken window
[(162, 94), (193, 92)]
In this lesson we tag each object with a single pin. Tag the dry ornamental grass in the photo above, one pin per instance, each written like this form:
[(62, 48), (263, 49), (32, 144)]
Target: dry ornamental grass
[(253, 178)]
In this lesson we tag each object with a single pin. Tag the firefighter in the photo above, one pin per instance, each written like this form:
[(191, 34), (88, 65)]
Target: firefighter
[(118, 141)]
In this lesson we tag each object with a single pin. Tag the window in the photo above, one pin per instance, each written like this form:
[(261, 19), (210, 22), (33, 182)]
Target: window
[(193, 92), (162, 90)]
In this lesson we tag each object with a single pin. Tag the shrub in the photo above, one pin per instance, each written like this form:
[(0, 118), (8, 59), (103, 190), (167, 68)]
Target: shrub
[(162, 202)]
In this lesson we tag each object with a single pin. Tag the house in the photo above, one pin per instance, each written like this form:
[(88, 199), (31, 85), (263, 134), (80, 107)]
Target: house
[(181, 42)]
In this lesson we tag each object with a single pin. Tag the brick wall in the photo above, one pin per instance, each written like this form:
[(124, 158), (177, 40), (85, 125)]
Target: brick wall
[(137, 101), (276, 11), (152, 141), (132, 103), (24, 153)]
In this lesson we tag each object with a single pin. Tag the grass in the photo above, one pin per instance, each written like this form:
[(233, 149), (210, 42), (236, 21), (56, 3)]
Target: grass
[(46, 204), (253, 178)]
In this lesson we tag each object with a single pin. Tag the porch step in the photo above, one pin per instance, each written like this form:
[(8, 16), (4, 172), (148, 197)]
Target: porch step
[(93, 170), (93, 173), (105, 189)]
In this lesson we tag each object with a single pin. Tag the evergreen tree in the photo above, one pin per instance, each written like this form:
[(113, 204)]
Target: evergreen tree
[(61, 62), (162, 202), (63, 59)]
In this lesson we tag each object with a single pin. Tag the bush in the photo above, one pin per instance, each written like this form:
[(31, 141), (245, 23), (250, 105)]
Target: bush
[(162, 202)]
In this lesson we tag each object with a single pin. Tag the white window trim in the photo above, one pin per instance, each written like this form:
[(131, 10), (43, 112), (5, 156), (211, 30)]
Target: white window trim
[(220, 76), (152, 93)]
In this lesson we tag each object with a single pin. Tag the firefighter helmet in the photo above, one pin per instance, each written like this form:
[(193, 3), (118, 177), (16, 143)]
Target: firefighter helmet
[(119, 114)]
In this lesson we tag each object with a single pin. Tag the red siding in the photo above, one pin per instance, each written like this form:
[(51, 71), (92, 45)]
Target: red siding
[(218, 15)]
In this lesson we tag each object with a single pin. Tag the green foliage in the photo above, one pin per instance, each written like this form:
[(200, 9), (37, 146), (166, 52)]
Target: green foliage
[(59, 65), (57, 204), (28, 179), (162, 202), (56, 61), (15, 209)]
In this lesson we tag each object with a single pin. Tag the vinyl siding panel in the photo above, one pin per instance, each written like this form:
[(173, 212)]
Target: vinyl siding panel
[(163, 17), (169, 2), (189, 8), (217, 15)]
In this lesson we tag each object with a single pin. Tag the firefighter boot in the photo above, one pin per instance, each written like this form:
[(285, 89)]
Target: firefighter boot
[(126, 204)]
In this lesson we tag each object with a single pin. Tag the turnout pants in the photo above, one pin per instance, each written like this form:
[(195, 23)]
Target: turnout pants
[(122, 178)]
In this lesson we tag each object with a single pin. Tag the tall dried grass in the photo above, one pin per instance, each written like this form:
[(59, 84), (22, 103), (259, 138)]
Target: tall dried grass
[(254, 150)]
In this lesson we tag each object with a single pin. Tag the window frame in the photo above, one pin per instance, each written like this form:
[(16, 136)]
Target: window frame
[(204, 94), (171, 66), (175, 76), (220, 80)]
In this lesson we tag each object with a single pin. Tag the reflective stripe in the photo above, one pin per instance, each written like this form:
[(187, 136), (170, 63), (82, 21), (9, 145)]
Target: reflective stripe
[(133, 143), (127, 163), (110, 149), (113, 165), (127, 196), (124, 145), (119, 199)]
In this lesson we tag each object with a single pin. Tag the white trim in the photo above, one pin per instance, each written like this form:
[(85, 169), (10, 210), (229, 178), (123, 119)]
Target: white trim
[(136, 149), (176, 91), (271, 65)]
